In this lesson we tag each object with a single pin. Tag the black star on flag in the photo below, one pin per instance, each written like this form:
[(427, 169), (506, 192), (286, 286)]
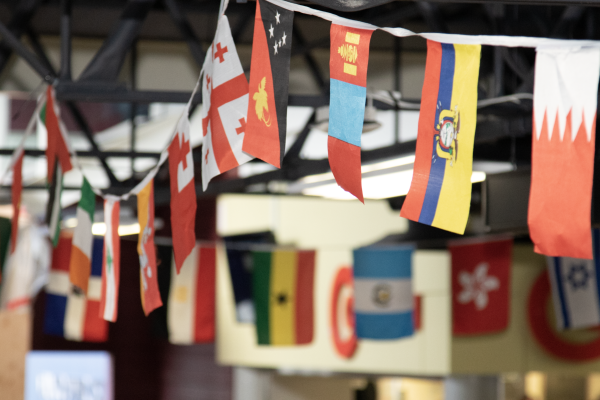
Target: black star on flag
[(269, 83)]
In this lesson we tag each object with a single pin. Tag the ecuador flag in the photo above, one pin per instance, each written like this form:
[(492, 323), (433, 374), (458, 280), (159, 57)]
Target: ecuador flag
[(283, 296), (440, 192)]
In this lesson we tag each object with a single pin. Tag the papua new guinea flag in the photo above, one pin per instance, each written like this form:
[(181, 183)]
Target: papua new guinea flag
[(440, 192), (348, 62), (562, 160), (269, 82), (383, 296), (282, 287)]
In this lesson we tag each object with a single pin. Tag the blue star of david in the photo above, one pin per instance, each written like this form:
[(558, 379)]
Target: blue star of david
[(578, 276)]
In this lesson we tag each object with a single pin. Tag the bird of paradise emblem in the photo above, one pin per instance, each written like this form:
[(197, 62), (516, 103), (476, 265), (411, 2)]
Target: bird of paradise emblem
[(261, 106)]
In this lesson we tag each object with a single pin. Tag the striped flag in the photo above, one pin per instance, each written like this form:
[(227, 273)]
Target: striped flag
[(54, 210), (147, 251), (17, 187), (282, 283), (109, 298), (440, 191), (74, 315), (348, 62), (575, 286), (57, 136), (191, 305), (383, 296), (81, 253)]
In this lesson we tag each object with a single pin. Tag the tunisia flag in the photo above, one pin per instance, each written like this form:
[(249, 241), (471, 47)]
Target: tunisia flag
[(480, 287), (183, 193)]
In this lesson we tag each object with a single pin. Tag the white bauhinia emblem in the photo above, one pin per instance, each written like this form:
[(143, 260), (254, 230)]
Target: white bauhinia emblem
[(477, 285)]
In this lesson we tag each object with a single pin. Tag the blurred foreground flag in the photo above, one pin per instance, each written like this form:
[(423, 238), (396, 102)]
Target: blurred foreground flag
[(81, 253), (348, 63), (480, 287), (575, 289), (383, 295), (562, 162), (72, 315), (147, 250), (58, 147), (191, 304), (283, 284), (440, 191), (16, 189), (111, 264), (269, 83), (224, 106)]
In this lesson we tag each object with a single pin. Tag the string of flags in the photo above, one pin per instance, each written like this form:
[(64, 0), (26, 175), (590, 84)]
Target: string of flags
[(242, 120)]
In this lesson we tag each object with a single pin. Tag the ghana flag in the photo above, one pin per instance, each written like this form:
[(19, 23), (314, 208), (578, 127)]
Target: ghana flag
[(269, 83), (440, 192), (283, 296)]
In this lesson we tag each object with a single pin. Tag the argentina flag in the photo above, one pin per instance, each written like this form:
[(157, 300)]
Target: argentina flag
[(383, 298), (575, 289)]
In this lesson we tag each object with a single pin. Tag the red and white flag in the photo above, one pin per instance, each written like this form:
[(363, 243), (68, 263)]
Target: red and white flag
[(109, 299), (57, 137), (191, 305), (480, 287), (16, 189), (183, 192), (224, 106), (562, 162), (147, 251)]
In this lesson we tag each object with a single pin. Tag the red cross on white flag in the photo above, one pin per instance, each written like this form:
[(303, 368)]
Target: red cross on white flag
[(224, 108), (183, 192)]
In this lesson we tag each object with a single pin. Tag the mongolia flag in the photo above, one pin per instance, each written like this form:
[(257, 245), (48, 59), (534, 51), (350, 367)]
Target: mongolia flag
[(348, 62), (282, 286), (383, 295), (57, 136), (562, 162), (183, 192), (440, 192), (576, 289), (69, 314), (109, 299), (81, 253), (16, 189), (147, 251), (269, 83), (224, 106), (191, 304)]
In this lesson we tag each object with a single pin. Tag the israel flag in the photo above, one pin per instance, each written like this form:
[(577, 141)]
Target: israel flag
[(383, 298), (575, 289)]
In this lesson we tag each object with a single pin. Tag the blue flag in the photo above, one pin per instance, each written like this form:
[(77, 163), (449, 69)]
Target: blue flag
[(383, 297)]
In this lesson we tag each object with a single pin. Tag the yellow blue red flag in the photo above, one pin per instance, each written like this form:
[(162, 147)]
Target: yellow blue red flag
[(440, 192)]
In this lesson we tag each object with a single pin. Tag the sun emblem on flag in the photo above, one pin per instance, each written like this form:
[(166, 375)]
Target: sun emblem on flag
[(261, 105), (446, 138), (382, 294)]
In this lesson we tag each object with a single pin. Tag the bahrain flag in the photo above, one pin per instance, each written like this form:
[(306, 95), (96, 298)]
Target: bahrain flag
[(269, 83), (348, 62), (562, 161)]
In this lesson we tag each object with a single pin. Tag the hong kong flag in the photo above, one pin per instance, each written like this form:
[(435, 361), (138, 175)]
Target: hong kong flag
[(480, 287), (224, 107), (183, 193)]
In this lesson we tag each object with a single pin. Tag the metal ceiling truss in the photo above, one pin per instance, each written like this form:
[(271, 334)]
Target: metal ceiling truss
[(503, 129)]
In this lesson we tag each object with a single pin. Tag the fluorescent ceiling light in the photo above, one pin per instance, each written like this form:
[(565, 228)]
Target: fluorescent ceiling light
[(377, 187)]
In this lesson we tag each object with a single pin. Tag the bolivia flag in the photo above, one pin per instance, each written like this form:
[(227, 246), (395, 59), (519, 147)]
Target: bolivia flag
[(72, 315), (269, 83), (440, 192), (348, 62), (81, 253), (283, 296), (191, 305)]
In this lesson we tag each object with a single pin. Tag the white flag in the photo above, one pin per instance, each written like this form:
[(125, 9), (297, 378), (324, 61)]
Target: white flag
[(224, 106)]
